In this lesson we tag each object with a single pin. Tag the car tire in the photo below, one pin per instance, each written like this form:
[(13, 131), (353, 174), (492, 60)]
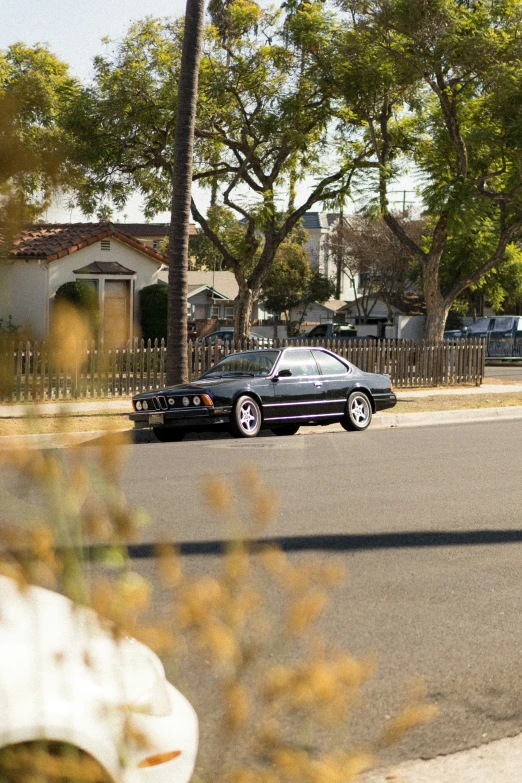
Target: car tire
[(358, 414), (246, 418), (169, 434), (286, 429)]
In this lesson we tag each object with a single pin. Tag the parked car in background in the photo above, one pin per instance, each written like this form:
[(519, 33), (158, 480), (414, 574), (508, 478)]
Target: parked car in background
[(191, 330), (273, 389), (68, 679), (328, 331), (503, 334), (226, 335)]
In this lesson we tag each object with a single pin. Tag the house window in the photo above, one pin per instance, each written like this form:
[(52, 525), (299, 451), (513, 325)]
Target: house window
[(156, 243), (214, 311), (229, 312), (105, 244)]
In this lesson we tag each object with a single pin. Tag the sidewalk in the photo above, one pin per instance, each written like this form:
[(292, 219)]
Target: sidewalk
[(497, 762), (123, 404)]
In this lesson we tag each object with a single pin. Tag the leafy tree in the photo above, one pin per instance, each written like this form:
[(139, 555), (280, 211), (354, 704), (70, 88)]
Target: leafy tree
[(287, 282), (437, 83), (35, 88), (271, 125), (256, 121), (225, 225)]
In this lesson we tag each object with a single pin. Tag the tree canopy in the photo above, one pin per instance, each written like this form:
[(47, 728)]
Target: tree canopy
[(35, 89), (439, 83)]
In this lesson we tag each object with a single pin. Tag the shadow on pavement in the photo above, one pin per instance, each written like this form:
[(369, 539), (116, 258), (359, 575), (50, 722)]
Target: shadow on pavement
[(336, 543), (139, 437)]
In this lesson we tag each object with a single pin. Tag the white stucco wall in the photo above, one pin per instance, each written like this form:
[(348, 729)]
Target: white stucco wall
[(23, 295), (410, 327), (61, 270)]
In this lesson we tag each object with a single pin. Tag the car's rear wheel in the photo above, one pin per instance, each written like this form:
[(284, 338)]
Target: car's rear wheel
[(246, 418), (169, 434), (286, 429), (358, 414)]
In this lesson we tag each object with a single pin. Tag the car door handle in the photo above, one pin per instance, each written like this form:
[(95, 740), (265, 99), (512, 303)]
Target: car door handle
[(316, 383)]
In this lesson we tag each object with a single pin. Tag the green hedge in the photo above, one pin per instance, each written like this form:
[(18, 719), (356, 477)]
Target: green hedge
[(84, 297), (153, 312)]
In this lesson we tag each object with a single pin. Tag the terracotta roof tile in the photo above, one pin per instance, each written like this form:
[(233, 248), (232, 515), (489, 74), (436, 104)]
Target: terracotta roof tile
[(51, 241)]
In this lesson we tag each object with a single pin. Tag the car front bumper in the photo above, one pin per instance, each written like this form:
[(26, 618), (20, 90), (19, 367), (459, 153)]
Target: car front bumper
[(190, 418), (176, 731)]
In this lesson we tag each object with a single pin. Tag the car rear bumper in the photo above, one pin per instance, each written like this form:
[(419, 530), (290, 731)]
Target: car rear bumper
[(383, 401)]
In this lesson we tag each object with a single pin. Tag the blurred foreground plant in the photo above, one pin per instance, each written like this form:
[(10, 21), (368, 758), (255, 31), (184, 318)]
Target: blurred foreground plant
[(283, 693)]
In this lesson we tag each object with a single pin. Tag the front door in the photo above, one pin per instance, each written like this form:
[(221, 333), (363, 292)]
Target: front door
[(299, 396), (116, 312)]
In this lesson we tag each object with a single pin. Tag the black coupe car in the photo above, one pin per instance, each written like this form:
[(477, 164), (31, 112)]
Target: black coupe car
[(278, 390)]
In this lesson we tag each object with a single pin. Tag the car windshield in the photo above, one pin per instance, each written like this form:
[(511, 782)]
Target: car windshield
[(250, 363)]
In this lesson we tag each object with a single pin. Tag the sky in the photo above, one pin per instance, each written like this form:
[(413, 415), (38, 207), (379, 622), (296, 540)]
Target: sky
[(74, 31)]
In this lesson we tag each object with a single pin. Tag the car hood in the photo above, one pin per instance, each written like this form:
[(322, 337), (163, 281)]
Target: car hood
[(197, 387)]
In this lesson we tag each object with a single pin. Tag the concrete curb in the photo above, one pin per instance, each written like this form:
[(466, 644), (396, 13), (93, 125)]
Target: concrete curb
[(497, 762), (431, 418), (379, 422)]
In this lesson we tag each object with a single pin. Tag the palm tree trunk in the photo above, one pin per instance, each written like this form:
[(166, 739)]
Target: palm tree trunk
[(177, 364)]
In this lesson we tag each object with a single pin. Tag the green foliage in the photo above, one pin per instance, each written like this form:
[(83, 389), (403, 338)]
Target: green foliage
[(263, 116), (123, 124), (287, 282), (35, 89), (83, 297), (226, 226), (435, 85), (319, 289), (153, 312)]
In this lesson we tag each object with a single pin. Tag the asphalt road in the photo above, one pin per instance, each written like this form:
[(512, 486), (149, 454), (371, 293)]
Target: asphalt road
[(427, 522)]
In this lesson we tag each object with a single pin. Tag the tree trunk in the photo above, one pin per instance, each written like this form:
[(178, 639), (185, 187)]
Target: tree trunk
[(243, 304), (177, 363), (437, 307)]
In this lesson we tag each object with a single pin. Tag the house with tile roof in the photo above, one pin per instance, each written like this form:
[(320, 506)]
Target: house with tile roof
[(211, 295), (151, 234), (44, 256)]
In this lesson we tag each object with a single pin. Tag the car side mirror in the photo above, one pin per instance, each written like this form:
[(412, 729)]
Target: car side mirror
[(284, 373)]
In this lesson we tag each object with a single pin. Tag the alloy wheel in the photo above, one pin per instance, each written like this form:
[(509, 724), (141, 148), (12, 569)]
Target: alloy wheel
[(359, 410)]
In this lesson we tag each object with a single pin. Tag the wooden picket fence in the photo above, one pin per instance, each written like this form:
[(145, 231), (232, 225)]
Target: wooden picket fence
[(30, 373)]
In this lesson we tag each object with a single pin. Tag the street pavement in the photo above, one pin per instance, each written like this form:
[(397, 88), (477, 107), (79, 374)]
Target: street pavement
[(427, 522)]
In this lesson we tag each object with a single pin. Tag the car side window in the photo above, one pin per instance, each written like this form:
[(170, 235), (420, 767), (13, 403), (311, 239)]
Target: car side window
[(479, 326), (328, 364), (301, 363), (319, 331)]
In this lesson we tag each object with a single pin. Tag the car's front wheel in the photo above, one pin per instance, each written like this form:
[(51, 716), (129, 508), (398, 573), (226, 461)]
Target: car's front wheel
[(169, 434), (246, 418), (286, 429), (358, 413)]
